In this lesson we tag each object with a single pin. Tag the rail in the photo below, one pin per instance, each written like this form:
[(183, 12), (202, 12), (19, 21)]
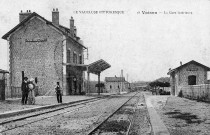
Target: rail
[(107, 118), (62, 109)]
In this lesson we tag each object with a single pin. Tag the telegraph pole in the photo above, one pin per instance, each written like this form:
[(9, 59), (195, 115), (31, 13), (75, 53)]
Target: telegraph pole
[(121, 80)]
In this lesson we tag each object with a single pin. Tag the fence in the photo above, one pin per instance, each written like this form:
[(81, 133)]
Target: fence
[(198, 92)]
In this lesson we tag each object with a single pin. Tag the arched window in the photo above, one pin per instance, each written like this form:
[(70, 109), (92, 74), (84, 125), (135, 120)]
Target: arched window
[(192, 80), (110, 86), (75, 57)]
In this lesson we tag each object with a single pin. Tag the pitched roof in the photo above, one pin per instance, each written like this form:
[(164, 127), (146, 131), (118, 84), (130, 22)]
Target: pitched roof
[(60, 28), (190, 62), (114, 79)]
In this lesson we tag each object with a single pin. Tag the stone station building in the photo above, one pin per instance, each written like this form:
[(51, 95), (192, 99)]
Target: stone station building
[(188, 74), (116, 85), (46, 51)]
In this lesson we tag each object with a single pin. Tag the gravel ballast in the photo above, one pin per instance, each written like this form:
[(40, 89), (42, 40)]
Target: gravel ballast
[(77, 122)]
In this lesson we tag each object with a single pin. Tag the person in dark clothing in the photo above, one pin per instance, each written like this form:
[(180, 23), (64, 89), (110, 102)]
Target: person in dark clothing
[(24, 88), (58, 93)]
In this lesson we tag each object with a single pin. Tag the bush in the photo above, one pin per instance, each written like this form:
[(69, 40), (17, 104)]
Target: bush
[(83, 93), (180, 94), (162, 92), (168, 93)]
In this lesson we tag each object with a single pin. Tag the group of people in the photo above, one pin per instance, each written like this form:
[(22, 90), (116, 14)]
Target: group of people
[(28, 91)]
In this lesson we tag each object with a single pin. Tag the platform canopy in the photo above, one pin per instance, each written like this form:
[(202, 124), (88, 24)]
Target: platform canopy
[(98, 66)]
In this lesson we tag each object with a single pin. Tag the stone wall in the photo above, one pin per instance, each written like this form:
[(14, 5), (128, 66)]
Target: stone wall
[(74, 48), (36, 49)]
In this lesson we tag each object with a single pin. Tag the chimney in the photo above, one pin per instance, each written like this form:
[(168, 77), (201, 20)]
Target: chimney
[(72, 26), (55, 16), (24, 15), (75, 31), (180, 63)]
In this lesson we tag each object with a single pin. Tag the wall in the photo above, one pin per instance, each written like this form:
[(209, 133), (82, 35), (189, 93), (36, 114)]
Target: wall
[(172, 83), (115, 89), (74, 47), (71, 71), (37, 59)]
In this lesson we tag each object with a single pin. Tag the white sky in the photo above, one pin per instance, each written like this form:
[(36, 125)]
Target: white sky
[(144, 46)]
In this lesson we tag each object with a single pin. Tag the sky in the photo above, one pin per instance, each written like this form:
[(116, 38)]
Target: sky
[(144, 46)]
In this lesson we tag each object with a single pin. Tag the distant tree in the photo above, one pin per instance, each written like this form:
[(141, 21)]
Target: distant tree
[(156, 84)]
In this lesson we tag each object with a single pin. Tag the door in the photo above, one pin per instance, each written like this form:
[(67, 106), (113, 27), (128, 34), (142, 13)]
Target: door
[(69, 82), (2, 89)]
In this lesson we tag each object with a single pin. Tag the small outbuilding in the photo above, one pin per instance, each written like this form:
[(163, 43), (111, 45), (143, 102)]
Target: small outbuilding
[(116, 85), (191, 73)]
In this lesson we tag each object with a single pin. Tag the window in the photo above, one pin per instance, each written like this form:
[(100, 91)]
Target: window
[(75, 57), (110, 86), (68, 56), (192, 80), (80, 59), (208, 75)]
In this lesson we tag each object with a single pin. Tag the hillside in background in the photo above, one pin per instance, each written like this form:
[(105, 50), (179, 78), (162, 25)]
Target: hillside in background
[(140, 83), (163, 79)]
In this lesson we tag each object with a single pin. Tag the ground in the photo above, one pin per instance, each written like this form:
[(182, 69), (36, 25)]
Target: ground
[(183, 116), (180, 115)]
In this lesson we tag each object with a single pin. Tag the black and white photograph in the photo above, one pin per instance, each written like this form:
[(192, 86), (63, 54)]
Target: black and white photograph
[(105, 67)]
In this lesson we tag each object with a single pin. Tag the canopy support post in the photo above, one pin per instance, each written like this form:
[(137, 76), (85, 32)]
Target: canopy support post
[(99, 83), (88, 81)]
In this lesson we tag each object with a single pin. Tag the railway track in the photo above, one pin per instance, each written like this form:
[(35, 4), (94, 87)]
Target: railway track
[(97, 129), (49, 113), (13, 126)]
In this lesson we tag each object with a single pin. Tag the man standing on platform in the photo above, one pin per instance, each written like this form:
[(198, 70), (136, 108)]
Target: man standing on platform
[(24, 88), (58, 93)]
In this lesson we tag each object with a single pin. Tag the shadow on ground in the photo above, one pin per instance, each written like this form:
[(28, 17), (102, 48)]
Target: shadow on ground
[(188, 117)]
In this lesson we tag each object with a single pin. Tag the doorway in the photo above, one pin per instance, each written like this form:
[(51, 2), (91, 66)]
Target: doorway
[(2, 89), (69, 82), (192, 80)]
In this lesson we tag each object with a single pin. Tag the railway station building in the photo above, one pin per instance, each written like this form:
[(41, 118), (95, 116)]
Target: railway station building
[(46, 51), (188, 74), (116, 85)]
